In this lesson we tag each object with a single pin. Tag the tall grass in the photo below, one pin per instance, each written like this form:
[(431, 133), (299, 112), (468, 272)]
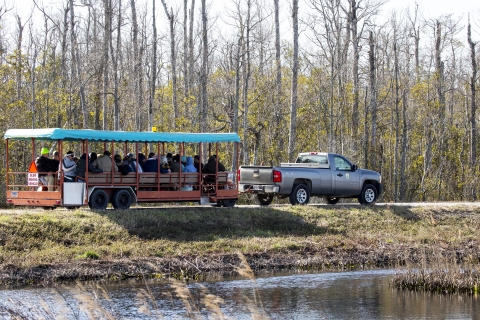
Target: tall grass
[(93, 302)]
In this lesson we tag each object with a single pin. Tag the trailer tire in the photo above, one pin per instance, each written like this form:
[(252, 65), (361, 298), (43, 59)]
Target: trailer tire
[(369, 195), (229, 203), (332, 200), (300, 195), (98, 200), (264, 199), (121, 200)]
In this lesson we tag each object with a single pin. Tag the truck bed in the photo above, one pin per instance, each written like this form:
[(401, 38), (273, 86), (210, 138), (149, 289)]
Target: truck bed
[(305, 165)]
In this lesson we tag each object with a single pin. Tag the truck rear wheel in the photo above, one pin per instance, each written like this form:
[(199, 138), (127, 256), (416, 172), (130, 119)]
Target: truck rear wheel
[(264, 199), (300, 195), (369, 195)]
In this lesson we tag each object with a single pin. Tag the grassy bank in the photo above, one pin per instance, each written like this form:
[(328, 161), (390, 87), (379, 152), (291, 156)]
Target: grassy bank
[(38, 246)]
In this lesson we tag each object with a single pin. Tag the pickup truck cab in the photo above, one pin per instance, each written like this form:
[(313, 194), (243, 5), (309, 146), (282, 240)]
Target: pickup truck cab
[(327, 175)]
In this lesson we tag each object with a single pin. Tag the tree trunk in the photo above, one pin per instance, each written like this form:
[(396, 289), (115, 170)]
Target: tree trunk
[(173, 61), (136, 67), (246, 82), (191, 61), (278, 85), (473, 97), (76, 63), (116, 107), (203, 73), (107, 4), (154, 70), (353, 21), (185, 49), (372, 155), (293, 105)]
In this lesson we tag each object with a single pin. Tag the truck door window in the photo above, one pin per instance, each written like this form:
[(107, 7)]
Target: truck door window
[(342, 164)]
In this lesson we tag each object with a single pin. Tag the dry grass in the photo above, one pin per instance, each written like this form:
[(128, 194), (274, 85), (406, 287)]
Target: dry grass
[(46, 246), (92, 301)]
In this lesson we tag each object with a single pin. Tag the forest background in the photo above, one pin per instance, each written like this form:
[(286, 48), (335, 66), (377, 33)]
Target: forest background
[(393, 91)]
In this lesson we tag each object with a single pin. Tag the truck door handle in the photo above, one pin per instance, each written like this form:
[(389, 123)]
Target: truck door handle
[(339, 174)]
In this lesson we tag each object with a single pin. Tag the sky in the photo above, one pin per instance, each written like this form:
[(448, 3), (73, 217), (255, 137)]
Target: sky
[(435, 8)]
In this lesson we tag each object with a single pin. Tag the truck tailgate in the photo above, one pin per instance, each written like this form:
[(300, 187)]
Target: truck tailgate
[(256, 175)]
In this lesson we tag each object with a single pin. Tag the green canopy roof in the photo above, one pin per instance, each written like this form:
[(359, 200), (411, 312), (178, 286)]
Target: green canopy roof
[(121, 136)]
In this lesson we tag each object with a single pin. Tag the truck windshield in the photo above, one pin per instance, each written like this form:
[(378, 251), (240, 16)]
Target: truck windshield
[(312, 158)]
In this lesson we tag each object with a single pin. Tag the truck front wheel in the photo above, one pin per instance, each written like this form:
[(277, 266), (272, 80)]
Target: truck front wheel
[(369, 195), (264, 199), (300, 195)]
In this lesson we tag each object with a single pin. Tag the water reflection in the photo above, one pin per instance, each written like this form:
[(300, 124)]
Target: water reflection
[(337, 295)]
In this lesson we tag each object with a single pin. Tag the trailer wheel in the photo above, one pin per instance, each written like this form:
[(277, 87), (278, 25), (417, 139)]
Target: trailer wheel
[(229, 203), (332, 200), (121, 200), (98, 200), (300, 195), (264, 199), (369, 195)]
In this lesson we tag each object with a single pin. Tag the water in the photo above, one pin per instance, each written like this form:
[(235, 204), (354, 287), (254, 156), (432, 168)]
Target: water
[(334, 295)]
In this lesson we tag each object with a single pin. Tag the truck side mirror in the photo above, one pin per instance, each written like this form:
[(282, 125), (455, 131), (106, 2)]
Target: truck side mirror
[(354, 167)]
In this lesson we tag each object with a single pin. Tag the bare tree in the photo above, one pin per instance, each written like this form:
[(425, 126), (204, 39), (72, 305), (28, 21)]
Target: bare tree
[(246, 80), (136, 66), (173, 61), (278, 83), (115, 58), (473, 93), (204, 70), (76, 73), (293, 105), (154, 70)]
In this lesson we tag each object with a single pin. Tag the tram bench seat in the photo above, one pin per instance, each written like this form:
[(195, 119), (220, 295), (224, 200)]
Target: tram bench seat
[(222, 179), (106, 178), (168, 179)]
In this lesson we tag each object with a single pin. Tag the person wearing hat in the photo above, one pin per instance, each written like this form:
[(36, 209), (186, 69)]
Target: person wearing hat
[(132, 162), (45, 166), (104, 162), (69, 166)]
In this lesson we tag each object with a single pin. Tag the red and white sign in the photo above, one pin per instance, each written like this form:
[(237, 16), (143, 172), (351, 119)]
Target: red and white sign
[(32, 179)]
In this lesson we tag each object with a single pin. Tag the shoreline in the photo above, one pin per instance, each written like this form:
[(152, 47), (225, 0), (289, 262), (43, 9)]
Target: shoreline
[(40, 247), (202, 267)]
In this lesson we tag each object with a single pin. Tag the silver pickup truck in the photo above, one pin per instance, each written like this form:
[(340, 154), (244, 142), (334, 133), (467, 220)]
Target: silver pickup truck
[(327, 175)]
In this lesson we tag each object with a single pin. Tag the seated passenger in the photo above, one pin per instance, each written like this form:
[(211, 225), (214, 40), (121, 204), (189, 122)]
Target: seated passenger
[(141, 161), (69, 167), (93, 156), (151, 165), (82, 166), (104, 162), (120, 164), (133, 163), (211, 168), (176, 165), (164, 167), (190, 167), (45, 167), (196, 162)]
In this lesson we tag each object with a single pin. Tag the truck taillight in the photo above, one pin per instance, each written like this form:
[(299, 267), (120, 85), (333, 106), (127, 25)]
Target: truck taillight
[(277, 176), (238, 175)]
